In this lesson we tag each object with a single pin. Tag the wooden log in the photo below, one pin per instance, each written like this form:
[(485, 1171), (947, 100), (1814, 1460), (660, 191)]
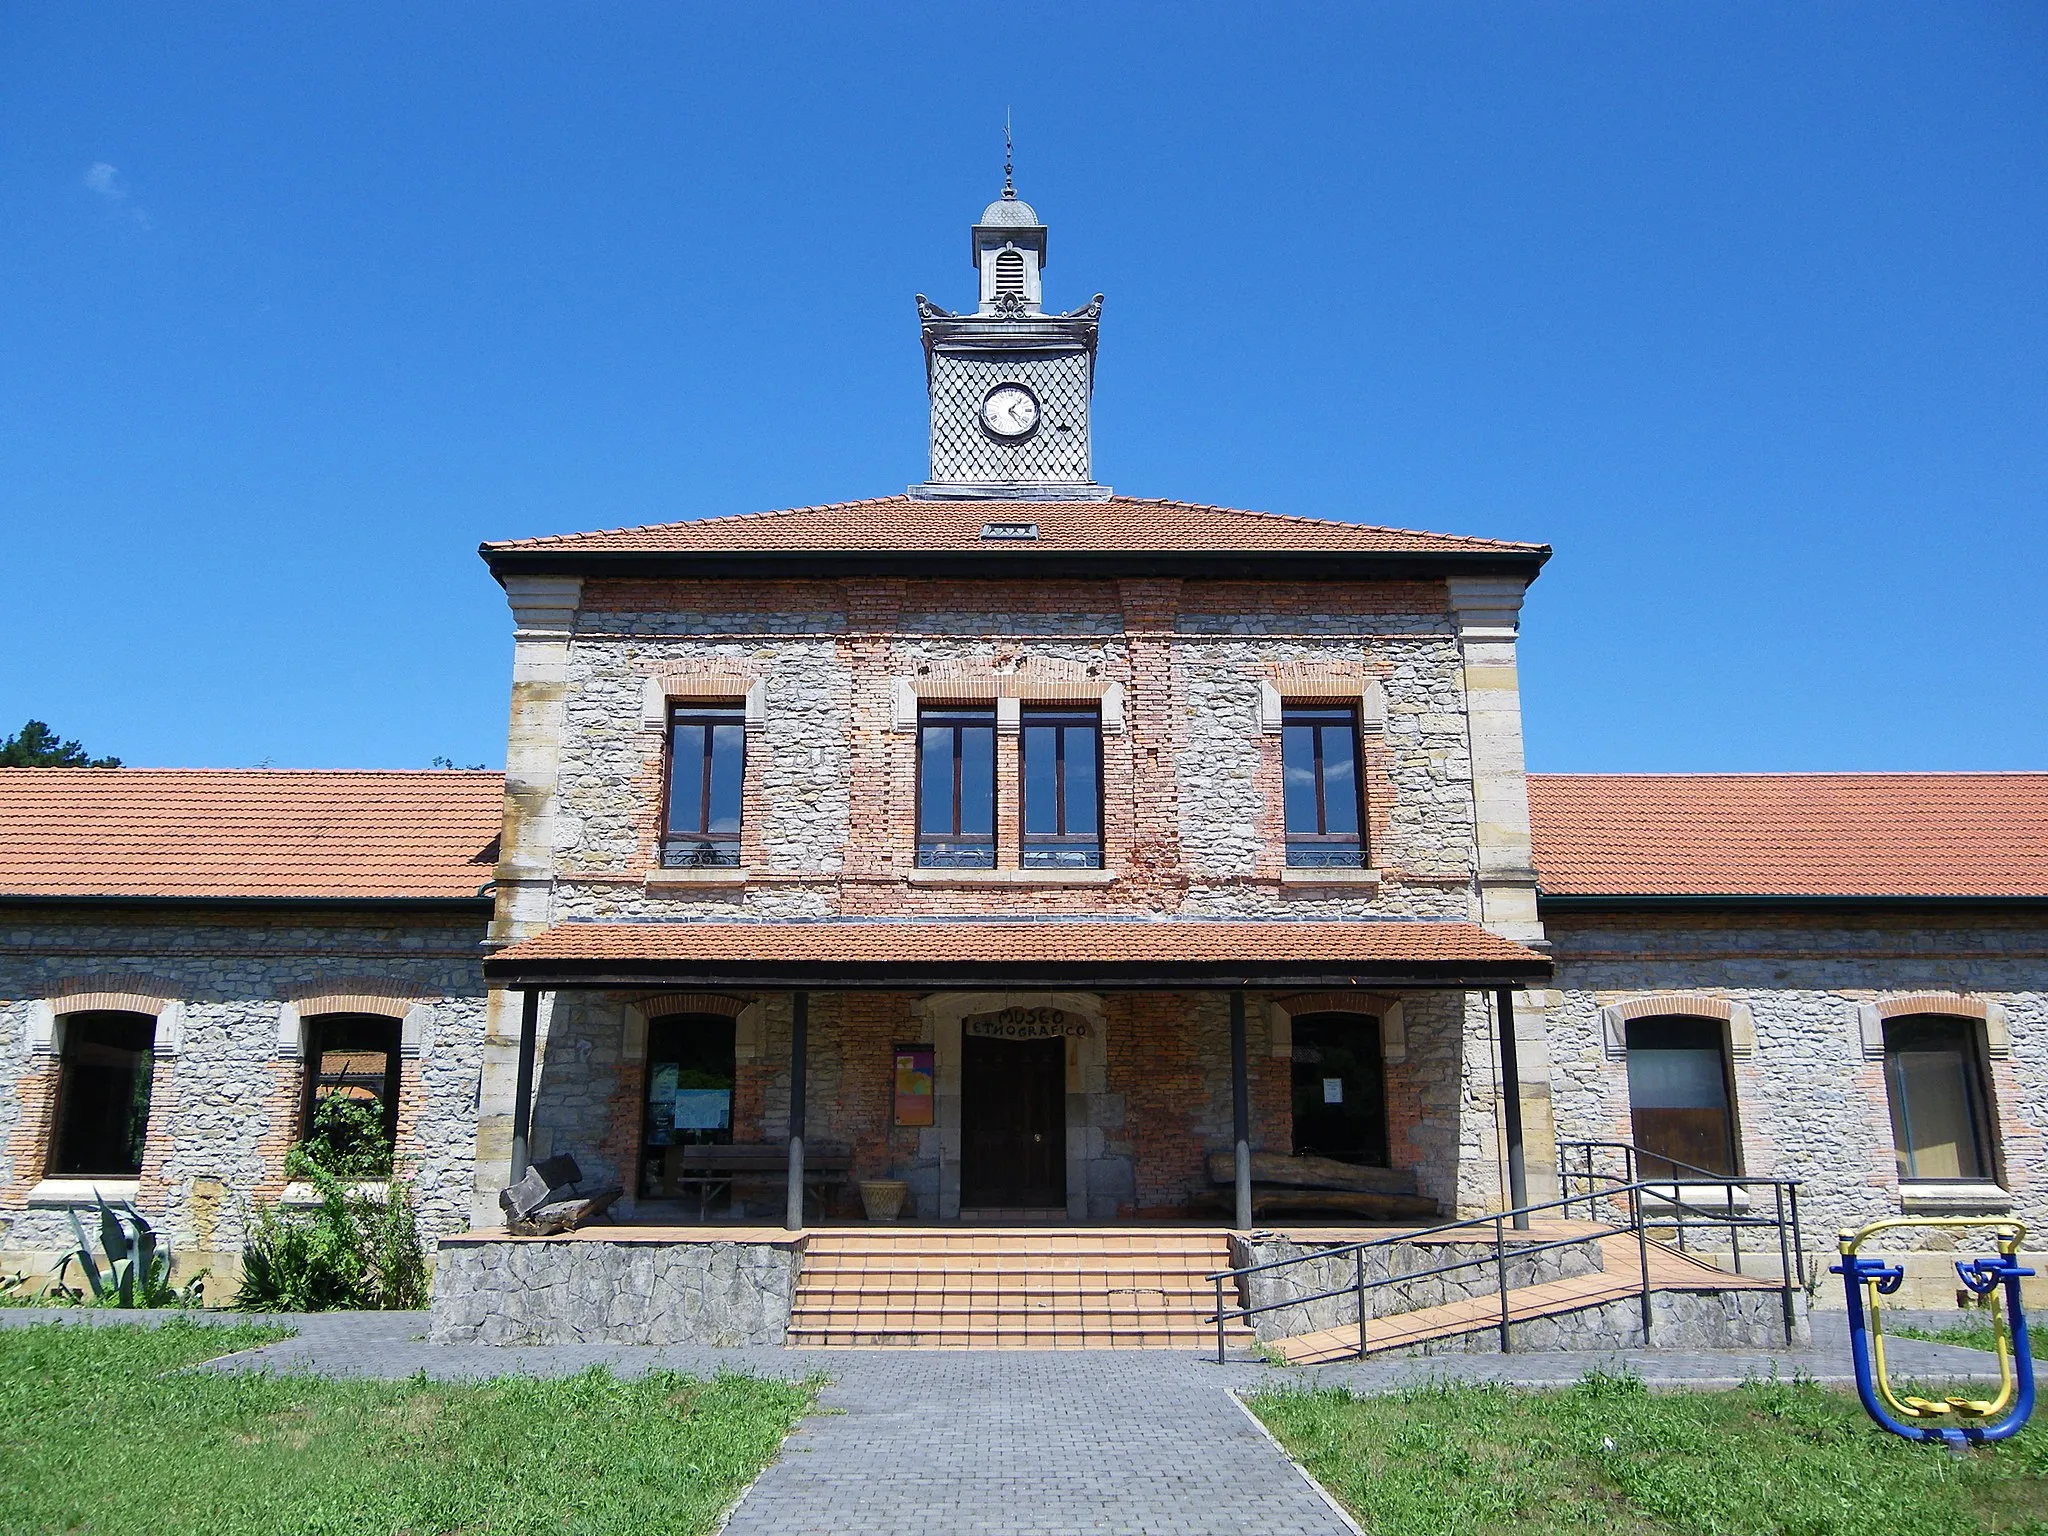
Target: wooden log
[(1368, 1204), (1314, 1173)]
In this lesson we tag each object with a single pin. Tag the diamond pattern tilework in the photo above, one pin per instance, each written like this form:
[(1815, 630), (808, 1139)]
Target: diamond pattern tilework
[(1056, 453)]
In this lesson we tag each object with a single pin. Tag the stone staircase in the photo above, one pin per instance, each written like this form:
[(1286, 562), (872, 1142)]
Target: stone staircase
[(1010, 1288), (1693, 1304)]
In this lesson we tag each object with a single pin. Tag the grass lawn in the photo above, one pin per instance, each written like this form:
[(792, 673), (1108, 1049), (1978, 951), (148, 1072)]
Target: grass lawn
[(101, 1431), (1976, 1336), (1769, 1459)]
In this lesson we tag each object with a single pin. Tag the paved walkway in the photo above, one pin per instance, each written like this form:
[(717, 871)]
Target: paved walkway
[(1028, 1443)]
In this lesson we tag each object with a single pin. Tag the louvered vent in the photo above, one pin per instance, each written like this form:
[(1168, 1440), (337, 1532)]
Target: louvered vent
[(1009, 272)]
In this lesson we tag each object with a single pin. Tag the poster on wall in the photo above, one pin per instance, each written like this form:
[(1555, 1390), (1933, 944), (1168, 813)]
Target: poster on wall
[(914, 1085)]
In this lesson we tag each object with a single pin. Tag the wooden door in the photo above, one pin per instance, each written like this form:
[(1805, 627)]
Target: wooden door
[(1013, 1114)]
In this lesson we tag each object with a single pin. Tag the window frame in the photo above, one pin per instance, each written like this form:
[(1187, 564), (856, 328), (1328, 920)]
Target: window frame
[(712, 850), (1980, 1107), (956, 849), (55, 1164), (1717, 1030), (1321, 848), (670, 1024), (316, 1048), (1043, 850)]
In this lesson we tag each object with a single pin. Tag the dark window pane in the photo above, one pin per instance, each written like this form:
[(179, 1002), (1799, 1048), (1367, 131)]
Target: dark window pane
[(351, 1059), (1678, 1097), (1938, 1118), (1041, 779), (1084, 803), (728, 753), (1298, 760), (935, 781), (1340, 781), (978, 781), (688, 1098), (1340, 1099), (103, 1095), (686, 778)]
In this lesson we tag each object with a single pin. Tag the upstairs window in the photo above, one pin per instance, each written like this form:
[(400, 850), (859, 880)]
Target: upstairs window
[(1062, 751), (1680, 1112), (103, 1095), (707, 757), (1319, 760), (1934, 1077), (349, 1114), (956, 789)]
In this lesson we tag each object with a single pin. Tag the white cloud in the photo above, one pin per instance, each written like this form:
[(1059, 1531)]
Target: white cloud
[(106, 181)]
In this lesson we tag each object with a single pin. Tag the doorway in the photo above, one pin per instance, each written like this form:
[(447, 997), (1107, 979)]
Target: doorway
[(1013, 1123), (1340, 1088)]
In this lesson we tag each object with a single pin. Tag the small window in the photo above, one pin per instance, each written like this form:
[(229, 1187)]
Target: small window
[(103, 1095), (1062, 751), (1680, 1109), (690, 1076), (956, 789), (1319, 759), (1340, 1092), (1934, 1076), (707, 755), (349, 1114)]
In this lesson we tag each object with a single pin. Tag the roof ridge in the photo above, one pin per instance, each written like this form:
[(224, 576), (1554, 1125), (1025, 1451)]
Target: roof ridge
[(126, 770)]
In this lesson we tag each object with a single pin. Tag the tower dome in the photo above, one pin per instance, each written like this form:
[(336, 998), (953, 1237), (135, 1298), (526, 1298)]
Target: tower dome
[(1008, 212)]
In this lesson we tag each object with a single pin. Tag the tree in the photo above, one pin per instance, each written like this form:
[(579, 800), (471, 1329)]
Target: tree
[(35, 745)]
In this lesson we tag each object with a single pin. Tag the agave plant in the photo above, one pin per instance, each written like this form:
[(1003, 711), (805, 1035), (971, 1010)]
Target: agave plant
[(138, 1270)]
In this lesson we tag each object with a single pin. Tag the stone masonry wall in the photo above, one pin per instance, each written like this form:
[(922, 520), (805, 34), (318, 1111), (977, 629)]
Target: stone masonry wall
[(224, 1107), (1808, 1104)]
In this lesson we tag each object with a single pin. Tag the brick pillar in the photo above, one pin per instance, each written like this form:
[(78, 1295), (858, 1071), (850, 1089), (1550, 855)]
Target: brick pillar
[(1151, 609), (880, 839)]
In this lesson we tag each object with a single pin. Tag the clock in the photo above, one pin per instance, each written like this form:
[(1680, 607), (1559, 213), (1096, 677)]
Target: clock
[(1010, 412)]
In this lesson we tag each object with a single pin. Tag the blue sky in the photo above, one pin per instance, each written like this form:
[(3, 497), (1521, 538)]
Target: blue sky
[(1740, 307)]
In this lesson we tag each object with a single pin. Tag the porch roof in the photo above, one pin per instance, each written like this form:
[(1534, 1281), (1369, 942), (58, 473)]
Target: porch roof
[(919, 954)]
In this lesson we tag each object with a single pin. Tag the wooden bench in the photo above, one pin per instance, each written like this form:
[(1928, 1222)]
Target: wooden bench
[(712, 1169), (1320, 1185)]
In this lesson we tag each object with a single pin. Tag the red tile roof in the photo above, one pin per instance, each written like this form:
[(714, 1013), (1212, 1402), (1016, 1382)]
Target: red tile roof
[(158, 832), (1122, 524), (1791, 834), (1337, 947)]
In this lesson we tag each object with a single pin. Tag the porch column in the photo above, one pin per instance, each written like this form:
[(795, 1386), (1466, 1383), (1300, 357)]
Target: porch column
[(1511, 1105), (799, 1051), (1241, 1111), (522, 1089)]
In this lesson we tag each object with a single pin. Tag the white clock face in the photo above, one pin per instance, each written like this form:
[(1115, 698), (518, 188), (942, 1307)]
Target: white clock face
[(1010, 411)]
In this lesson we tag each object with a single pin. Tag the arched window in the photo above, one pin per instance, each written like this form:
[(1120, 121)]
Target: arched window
[(103, 1095), (690, 1075), (1340, 1089), (1934, 1077), (350, 1106), (1680, 1107), (1009, 272)]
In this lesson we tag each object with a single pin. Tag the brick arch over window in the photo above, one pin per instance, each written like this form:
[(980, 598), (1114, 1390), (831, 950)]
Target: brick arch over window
[(408, 1004), (1871, 1016), (702, 680), (108, 994), (1281, 1011), (1680, 1005), (745, 1012)]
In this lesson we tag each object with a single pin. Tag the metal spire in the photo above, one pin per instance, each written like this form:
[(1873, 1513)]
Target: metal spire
[(1009, 184)]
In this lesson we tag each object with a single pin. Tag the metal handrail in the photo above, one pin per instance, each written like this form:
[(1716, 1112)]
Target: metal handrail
[(1632, 1161), (1636, 1224)]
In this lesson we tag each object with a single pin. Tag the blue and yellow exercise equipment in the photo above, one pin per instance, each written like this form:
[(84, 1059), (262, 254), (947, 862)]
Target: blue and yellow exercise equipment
[(1952, 1420)]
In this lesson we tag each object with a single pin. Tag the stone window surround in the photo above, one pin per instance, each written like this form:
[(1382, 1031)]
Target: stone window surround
[(1322, 683), (1386, 1007), (1740, 1035), (1947, 1196), (1045, 682), (414, 1013), (944, 1013), (46, 1040), (702, 680), (746, 1013)]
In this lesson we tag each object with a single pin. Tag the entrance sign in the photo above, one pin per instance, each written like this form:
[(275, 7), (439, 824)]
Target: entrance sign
[(1026, 1024), (914, 1075)]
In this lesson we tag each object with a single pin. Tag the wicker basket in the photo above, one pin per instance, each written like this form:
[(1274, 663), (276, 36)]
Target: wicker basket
[(883, 1199)]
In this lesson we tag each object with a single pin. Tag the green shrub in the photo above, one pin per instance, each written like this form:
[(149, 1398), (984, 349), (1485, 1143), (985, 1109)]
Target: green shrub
[(348, 1138), (353, 1251), (138, 1269)]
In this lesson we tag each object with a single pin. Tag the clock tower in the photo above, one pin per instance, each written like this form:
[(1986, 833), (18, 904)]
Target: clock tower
[(1010, 384)]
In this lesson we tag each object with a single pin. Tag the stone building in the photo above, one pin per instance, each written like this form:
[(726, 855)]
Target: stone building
[(1055, 853)]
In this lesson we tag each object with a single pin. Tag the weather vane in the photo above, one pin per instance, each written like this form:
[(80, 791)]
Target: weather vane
[(1009, 185)]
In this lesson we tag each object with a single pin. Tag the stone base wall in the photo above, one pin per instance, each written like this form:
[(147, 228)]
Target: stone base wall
[(579, 1291), (1678, 1320), (1481, 1279)]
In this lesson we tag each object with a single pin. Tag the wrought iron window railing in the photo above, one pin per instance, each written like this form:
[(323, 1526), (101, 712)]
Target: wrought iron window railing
[(956, 853), (1312, 851), (688, 850)]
